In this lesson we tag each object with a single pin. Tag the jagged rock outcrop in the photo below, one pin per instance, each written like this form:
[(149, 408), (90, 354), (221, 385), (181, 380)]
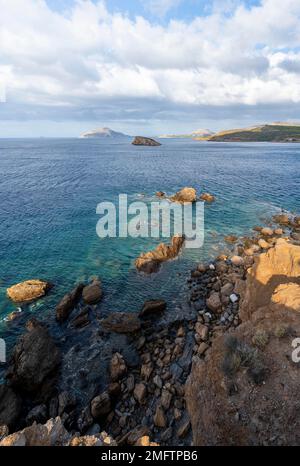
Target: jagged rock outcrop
[(68, 303), (150, 262), (35, 359), (207, 197), (245, 390), (10, 406), (28, 290), (142, 141), (92, 293), (53, 433)]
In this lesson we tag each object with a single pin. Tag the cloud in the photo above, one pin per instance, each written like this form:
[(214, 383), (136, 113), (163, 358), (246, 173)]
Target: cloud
[(87, 63)]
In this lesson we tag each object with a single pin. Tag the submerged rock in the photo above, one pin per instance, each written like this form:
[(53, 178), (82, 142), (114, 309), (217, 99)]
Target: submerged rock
[(149, 262), (122, 322), (28, 290), (153, 307), (142, 141)]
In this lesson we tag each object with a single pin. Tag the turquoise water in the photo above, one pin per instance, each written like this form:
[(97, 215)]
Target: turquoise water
[(49, 190)]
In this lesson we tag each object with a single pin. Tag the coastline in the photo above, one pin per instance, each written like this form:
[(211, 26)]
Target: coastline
[(139, 381)]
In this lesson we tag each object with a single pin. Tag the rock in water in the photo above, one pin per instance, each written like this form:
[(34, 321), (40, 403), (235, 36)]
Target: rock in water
[(142, 141), (28, 290), (68, 303), (122, 322), (185, 195), (153, 307), (35, 358), (92, 293), (149, 262), (207, 197)]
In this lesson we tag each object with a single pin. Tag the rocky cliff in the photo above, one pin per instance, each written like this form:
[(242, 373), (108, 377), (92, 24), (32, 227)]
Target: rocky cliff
[(245, 390)]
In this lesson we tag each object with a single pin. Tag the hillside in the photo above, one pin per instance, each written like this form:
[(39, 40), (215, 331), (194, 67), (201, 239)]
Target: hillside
[(266, 133), (198, 133)]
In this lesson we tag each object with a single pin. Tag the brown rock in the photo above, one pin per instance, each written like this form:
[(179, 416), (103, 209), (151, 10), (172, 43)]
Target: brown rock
[(153, 307), (117, 367), (183, 429), (140, 392), (122, 322), (142, 141), (166, 398), (207, 197), (92, 293), (28, 290), (159, 417), (149, 262), (213, 302), (237, 260), (231, 239), (185, 195), (201, 330), (68, 303), (100, 405)]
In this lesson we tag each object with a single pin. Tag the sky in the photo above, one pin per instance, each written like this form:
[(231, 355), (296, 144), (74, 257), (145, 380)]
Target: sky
[(147, 66)]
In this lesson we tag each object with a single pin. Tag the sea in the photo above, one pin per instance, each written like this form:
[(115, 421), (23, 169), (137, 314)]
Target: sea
[(50, 189)]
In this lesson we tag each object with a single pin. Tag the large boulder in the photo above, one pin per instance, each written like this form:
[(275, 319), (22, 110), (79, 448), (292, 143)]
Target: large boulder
[(150, 262), (10, 406), (68, 303), (122, 322), (92, 293), (207, 197), (35, 358), (142, 141), (245, 391), (28, 290), (185, 195)]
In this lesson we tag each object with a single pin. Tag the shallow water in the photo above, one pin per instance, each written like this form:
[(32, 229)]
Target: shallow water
[(49, 190)]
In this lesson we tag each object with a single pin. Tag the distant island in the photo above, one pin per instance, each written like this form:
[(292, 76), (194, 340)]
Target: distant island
[(271, 132), (103, 133), (203, 133)]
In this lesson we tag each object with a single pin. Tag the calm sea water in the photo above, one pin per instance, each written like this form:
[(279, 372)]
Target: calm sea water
[(49, 190)]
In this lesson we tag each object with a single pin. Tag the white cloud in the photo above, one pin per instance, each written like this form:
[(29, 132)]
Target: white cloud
[(92, 59), (161, 7)]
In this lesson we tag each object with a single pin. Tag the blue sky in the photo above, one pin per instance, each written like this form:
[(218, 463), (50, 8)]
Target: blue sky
[(147, 66)]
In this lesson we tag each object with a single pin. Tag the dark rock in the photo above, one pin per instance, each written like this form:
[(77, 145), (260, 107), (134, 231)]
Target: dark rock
[(38, 414), (184, 428), (142, 141), (140, 393), (159, 417), (10, 406), (92, 293), (82, 319), (68, 303), (153, 307), (122, 322), (35, 358), (100, 405)]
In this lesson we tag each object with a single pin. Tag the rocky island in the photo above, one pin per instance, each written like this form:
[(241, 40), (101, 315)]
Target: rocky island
[(142, 141)]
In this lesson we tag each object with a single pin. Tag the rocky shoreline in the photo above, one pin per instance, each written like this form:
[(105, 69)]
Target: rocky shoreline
[(197, 374)]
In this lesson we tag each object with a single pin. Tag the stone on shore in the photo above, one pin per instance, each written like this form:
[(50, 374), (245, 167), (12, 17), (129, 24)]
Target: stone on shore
[(142, 141), (118, 367), (28, 290), (150, 262), (122, 322), (100, 405), (213, 302)]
